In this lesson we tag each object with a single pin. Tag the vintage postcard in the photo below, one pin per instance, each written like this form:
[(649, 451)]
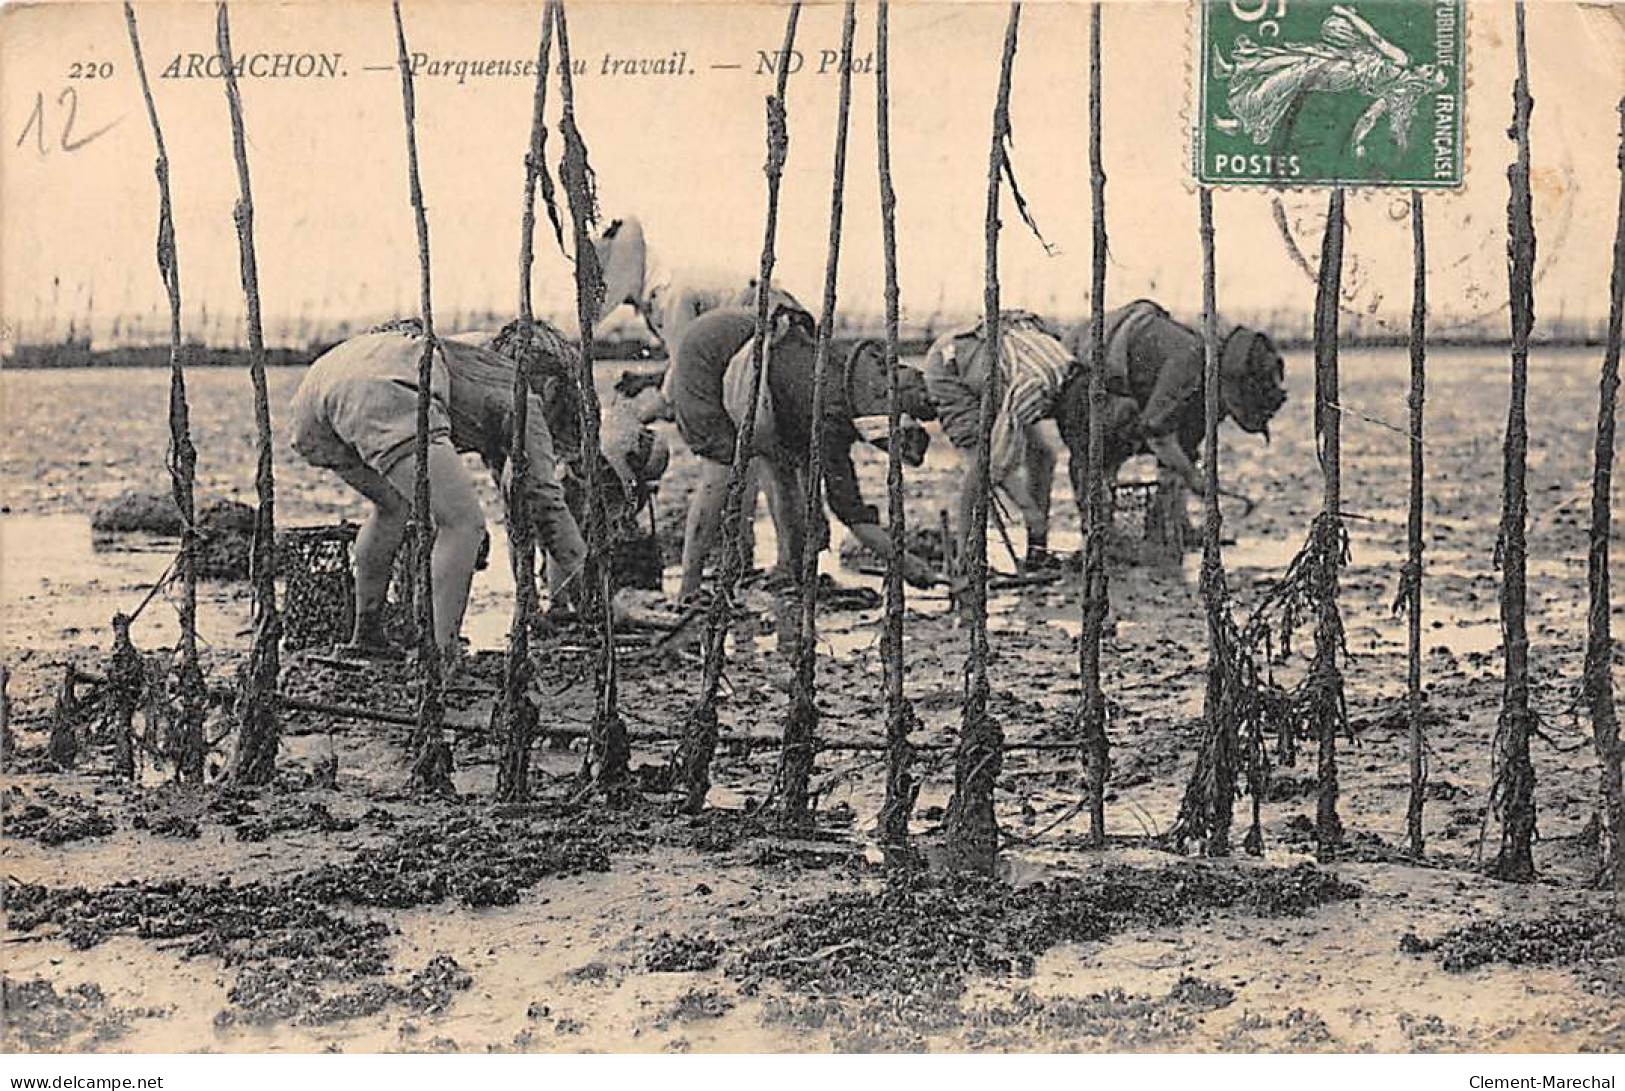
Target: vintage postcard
[(733, 527)]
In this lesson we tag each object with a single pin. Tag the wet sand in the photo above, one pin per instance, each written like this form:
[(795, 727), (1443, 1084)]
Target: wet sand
[(565, 966)]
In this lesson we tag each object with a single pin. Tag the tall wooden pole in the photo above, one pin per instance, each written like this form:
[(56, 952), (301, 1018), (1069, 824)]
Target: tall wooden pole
[(431, 760), (693, 758), (796, 759), (608, 751), (901, 786), (1326, 676), (1599, 680), (189, 746), (518, 711), (1413, 532), (1514, 790), (258, 730), (1096, 600), (973, 829), (1216, 705)]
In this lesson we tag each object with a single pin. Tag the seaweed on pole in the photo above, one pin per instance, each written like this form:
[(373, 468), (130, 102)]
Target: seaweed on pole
[(189, 688), (258, 726), (1513, 791), (1242, 704), (608, 752), (1090, 721), (431, 752), (518, 711), (692, 762), (973, 828), (1245, 705), (1253, 706), (796, 758), (1599, 681), (902, 786), (1410, 586)]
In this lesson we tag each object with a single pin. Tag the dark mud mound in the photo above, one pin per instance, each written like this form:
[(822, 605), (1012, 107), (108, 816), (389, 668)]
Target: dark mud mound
[(51, 817), (924, 932), (38, 1019), (225, 528), (1539, 941), (138, 511)]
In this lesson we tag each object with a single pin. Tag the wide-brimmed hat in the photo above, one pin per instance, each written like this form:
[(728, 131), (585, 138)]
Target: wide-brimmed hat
[(1250, 378)]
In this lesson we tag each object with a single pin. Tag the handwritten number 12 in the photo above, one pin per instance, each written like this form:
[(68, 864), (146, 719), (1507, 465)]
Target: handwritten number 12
[(36, 123)]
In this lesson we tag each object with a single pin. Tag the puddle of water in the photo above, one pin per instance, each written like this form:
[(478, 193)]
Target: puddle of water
[(1268, 554), (1070, 624), (55, 583), (42, 553), (1464, 637)]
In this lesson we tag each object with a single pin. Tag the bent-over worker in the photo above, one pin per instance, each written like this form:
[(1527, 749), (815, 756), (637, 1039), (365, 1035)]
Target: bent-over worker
[(710, 384), (355, 412)]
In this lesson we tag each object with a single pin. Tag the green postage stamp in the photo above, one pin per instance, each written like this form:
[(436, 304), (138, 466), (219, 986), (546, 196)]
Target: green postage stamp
[(1311, 92)]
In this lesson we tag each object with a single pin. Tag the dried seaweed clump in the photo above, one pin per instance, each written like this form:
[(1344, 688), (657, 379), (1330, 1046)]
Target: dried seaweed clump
[(1539, 941), (927, 933)]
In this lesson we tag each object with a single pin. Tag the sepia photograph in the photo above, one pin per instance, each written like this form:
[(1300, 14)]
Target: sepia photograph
[(707, 527)]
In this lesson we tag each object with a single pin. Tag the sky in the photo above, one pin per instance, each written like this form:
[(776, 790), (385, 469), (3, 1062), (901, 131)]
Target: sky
[(335, 232)]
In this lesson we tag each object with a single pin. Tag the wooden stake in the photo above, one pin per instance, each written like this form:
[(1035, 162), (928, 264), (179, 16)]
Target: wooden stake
[(191, 745), (258, 730), (1091, 714), (1216, 709), (1326, 678), (1413, 532), (1599, 681), (796, 759), (973, 829), (1514, 790), (519, 713), (607, 752), (902, 788), (431, 761), (693, 759)]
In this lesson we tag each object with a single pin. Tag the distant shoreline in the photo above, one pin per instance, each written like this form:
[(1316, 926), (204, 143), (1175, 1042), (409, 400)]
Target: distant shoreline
[(77, 355)]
